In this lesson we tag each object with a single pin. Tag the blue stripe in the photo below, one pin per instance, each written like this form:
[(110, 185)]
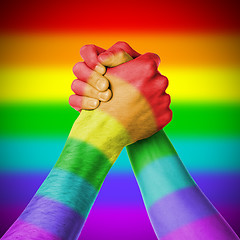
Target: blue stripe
[(121, 189), (209, 154), (157, 178), (40, 154), (69, 189)]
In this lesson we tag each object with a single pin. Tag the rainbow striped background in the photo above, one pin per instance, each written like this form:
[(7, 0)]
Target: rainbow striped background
[(198, 42)]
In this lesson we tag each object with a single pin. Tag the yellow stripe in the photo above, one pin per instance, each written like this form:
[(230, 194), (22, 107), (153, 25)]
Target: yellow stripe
[(185, 84), (174, 49), (203, 84), (101, 131)]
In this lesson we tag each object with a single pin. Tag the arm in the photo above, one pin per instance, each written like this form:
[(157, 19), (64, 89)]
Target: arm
[(61, 205), (176, 206)]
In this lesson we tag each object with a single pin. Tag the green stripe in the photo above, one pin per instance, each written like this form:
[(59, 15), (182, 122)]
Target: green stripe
[(204, 119), (148, 150), (57, 119), (68, 189), (85, 161), (43, 120)]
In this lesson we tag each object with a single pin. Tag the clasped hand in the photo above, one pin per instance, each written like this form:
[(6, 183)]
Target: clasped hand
[(125, 85)]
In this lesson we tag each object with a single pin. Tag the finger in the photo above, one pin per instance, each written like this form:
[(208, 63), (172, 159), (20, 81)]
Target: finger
[(84, 73), (164, 100), (90, 54), (151, 56), (142, 67), (164, 118), (84, 89), (119, 53), (125, 47), (82, 102), (114, 57), (160, 82)]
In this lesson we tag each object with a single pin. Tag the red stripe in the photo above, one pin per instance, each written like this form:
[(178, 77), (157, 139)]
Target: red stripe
[(76, 15)]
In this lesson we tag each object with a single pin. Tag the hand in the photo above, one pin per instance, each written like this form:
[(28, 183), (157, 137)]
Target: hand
[(135, 102), (88, 94)]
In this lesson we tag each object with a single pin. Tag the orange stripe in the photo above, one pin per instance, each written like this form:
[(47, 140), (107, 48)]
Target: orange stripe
[(174, 49)]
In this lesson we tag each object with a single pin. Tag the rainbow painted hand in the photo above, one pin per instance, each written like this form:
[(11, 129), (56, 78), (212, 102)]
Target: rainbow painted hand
[(138, 100)]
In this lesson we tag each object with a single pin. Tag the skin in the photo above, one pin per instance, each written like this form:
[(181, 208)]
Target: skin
[(61, 205), (144, 110), (167, 188)]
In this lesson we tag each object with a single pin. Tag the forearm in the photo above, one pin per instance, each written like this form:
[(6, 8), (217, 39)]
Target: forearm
[(176, 206), (59, 208)]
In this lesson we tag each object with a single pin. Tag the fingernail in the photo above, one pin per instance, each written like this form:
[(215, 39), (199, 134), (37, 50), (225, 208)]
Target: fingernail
[(93, 103), (100, 69), (105, 57), (101, 85), (104, 96)]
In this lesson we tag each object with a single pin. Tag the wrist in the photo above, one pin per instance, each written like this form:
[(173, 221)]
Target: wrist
[(93, 145), (158, 169), (149, 150), (101, 131)]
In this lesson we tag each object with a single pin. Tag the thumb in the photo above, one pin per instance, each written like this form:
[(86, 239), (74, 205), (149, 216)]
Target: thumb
[(114, 58), (118, 54), (90, 54)]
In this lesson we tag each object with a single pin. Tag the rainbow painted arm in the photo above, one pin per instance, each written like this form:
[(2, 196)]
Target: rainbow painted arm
[(61, 205), (176, 206)]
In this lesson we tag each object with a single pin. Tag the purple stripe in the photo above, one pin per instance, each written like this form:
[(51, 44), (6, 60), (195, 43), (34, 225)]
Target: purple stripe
[(23, 230), (118, 223), (122, 222), (179, 208), (54, 217), (220, 188), (209, 228)]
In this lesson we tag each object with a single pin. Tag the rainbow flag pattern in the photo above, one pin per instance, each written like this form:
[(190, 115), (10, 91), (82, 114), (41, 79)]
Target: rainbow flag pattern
[(176, 206), (40, 43), (61, 205)]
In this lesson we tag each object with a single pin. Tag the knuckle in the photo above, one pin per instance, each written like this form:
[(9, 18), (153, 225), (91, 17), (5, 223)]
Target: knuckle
[(109, 94), (150, 68), (122, 44), (74, 84), (149, 55), (164, 82), (154, 57), (167, 99), (77, 67), (92, 91), (157, 58), (70, 100), (121, 53), (161, 82), (85, 47), (169, 115)]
